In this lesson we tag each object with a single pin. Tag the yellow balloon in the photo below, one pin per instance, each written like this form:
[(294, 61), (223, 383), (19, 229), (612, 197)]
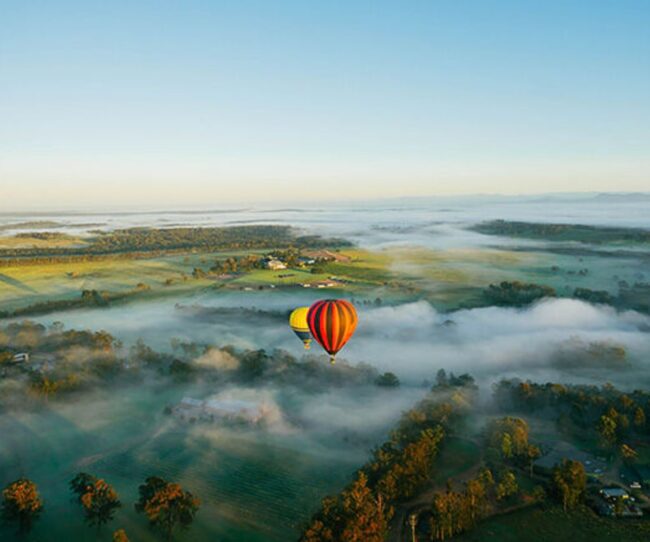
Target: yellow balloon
[(298, 322)]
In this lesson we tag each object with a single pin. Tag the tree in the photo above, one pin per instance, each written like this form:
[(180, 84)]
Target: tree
[(506, 446), (387, 380), (6, 357), (570, 481), (166, 505), (21, 504), (629, 454), (253, 364), (510, 436), (441, 379), (607, 429), (97, 498), (367, 514), (475, 492), (120, 536), (507, 486)]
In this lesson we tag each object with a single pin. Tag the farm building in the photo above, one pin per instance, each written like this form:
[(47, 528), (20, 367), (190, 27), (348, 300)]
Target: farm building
[(218, 410), (274, 264)]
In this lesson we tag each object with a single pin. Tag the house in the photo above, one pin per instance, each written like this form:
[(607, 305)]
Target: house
[(23, 357), (613, 493), (274, 264)]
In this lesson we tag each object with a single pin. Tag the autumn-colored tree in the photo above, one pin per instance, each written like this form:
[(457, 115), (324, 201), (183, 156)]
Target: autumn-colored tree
[(120, 536), (324, 524), (476, 493), (507, 486), (166, 505), (625, 402), (607, 429), (45, 386), (570, 481), (366, 513), (510, 436), (97, 498), (628, 453), (413, 466), (21, 504), (445, 508)]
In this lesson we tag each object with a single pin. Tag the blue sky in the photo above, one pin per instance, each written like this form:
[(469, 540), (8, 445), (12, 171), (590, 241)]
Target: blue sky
[(201, 102)]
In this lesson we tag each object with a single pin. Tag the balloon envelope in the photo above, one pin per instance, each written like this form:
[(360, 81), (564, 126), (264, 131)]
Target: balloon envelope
[(332, 322), (298, 323)]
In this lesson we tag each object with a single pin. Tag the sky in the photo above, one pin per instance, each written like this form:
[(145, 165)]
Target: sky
[(209, 102)]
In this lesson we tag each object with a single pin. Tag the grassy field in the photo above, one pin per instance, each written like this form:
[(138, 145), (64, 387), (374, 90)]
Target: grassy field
[(553, 525), (449, 279), (456, 456), (21, 286), (61, 241)]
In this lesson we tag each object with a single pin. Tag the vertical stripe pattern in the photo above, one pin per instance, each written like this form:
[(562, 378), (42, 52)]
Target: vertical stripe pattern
[(332, 322)]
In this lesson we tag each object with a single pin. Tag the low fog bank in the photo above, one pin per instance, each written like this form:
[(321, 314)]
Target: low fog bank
[(421, 221), (556, 339)]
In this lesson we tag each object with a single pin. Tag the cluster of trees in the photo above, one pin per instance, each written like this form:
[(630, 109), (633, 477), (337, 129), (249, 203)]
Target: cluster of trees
[(508, 438), (145, 242), (569, 483), (236, 264), (519, 294), (614, 415), (634, 296), (65, 361), (599, 297), (165, 504), (396, 471), (453, 512), (358, 514), (516, 294), (387, 380), (43, 235), (564, 232)]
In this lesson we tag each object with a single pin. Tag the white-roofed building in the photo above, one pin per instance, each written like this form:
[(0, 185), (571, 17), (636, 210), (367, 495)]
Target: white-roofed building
[(237, 410)]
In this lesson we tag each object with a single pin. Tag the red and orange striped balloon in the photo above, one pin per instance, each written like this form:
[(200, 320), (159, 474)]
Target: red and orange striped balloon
[(332, 322)]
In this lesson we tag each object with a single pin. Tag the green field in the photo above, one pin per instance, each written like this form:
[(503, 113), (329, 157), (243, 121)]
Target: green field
[(449, 278), (552, 525)]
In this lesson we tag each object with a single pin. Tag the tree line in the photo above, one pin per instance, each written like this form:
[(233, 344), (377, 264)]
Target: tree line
[(147, 242), (396, 471), (616, 417), (564, 232)]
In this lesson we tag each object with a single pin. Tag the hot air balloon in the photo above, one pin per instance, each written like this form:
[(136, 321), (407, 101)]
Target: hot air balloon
[(332, 322), (298, 322)]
